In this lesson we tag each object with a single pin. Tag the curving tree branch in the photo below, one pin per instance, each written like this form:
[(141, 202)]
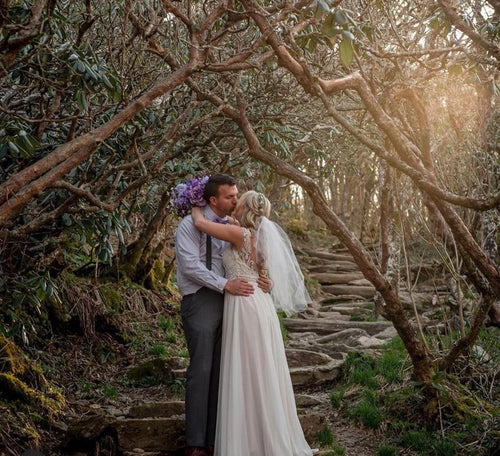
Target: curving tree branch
[(460, 24)]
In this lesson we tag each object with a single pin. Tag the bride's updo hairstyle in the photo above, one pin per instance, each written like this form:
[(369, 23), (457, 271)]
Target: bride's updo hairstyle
[(255, 205)]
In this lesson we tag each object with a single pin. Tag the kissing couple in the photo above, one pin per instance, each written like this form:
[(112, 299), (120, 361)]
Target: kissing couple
[(234, 273)]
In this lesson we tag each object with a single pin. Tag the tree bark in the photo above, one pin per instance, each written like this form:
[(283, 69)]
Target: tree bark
[(137, 256)]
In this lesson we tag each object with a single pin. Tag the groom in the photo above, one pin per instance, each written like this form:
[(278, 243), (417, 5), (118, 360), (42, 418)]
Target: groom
[(200, 276)]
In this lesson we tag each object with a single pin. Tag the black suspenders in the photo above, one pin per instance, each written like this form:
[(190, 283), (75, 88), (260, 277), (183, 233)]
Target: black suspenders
[(209, 253)]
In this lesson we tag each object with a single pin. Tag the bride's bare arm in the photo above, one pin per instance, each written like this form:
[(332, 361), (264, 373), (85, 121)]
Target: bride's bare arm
[(229, 232)]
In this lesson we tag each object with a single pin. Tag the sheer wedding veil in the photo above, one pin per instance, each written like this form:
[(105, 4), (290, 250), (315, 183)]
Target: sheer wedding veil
[(275, 255), (289, 292)]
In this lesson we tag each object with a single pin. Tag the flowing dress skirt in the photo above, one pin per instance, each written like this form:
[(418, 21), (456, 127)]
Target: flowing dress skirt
[(256, 413)]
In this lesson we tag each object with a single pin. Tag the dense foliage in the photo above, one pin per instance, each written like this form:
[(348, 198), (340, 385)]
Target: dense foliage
[(374, 121)]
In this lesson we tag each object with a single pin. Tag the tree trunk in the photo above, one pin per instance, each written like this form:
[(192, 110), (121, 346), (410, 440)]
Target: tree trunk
[(138, 263)]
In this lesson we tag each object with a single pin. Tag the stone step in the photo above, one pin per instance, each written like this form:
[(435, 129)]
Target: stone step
[(329, 278), (353, 290), (327, 255), (328, 299), (156, 409), (334, 315), (148, 434), (310, 368), (318, 265), (151, 434), (345, 310), (325, 326)]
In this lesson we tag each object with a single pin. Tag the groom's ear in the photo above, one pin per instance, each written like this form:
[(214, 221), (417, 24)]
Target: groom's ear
[(212, 200)]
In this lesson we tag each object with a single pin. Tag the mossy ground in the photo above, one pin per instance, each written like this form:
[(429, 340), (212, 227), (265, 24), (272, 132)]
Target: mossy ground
[(100, 330), (378, 393)]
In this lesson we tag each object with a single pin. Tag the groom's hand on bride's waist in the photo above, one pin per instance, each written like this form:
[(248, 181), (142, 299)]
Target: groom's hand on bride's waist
[(264, 283), (240, 287)]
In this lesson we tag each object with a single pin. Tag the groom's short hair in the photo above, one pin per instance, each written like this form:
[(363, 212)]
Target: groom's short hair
[(213, 184)]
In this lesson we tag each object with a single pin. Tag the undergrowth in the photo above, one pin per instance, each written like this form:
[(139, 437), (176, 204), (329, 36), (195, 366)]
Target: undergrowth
[(378, 393), (77, 337)]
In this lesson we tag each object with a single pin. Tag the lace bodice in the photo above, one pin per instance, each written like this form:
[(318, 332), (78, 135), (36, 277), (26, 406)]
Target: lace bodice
[(239, 263)]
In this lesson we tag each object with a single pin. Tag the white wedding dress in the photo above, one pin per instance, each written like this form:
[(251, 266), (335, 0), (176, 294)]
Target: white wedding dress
[(256, 413)]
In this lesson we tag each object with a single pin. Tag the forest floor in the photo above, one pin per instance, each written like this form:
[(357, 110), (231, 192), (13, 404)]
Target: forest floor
[(93, 375), (92, 372)]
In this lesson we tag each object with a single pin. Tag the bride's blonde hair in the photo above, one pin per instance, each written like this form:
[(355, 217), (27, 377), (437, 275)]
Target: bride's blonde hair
[(255, 205)]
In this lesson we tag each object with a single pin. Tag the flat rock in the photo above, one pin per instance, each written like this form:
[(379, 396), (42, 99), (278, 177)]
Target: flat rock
[(312, 368), (319, 266), (334, 315), (387, 334), (325, 326), (343, 336), (153, 434), (326, 278), (311, 424), (157, 409), (324, 254), (347, 310), (421, 300), (303, 358), (330, 299), (301, 336), (370, 342), (356, 290), (306, 400)]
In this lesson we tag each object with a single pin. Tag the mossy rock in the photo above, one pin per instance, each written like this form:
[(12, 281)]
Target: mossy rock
[(14, 389), (11, 358), (50, 403), (22, 380), (158, 369), (14, 361)]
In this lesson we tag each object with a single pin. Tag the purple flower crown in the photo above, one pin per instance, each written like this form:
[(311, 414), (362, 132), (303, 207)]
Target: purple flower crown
[(188, 195)]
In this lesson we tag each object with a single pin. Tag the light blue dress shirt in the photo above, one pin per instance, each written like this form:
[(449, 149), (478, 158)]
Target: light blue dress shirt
[(190, 251)]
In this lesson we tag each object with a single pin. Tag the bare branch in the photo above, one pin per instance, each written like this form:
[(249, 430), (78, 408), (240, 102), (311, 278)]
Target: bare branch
[(84, 194), (460, 24)]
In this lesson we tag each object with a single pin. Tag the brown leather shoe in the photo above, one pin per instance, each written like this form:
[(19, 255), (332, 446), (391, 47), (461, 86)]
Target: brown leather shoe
[(210, 450), (195, 451)]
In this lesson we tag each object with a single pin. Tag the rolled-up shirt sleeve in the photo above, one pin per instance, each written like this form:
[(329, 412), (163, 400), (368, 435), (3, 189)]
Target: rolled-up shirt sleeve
[(191, 269)]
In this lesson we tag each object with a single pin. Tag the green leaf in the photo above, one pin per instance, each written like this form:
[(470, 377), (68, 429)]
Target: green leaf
[(79, 66), (13, 147), (106, 82), (329, 26), (321, 8), (119, 233), (81, 100), (346, 52), (3, 150)]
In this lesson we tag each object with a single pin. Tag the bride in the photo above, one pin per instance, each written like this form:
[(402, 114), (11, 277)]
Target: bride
[(256, 412)]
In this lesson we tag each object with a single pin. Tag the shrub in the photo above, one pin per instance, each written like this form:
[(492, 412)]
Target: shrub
[(387, 450), (389, 366), (336, 397), (325, 437), (369, 414)]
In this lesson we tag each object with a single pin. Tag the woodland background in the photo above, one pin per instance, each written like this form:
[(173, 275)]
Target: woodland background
[(372, 123)]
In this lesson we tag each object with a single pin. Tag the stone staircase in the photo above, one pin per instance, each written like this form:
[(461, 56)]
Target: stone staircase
[(318, 341)]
